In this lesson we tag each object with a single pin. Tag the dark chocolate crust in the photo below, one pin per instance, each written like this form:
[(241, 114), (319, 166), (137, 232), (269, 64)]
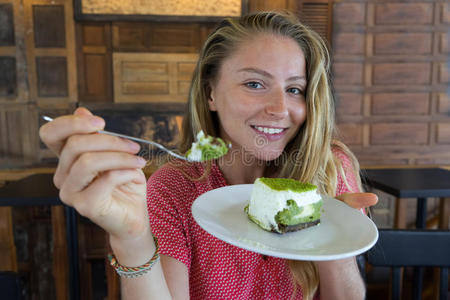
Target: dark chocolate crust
[(297, 227)]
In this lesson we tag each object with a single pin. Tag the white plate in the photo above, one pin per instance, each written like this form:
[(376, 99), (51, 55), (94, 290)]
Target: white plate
[(343, 231)]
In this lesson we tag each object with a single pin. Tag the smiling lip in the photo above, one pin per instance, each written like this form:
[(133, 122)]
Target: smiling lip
[(270, 136)]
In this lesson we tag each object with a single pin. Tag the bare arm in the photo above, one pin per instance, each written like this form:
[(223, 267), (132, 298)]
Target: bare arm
[(340, 279)]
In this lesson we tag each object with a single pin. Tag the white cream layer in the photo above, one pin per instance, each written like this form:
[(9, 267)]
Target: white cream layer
[(265, 202)]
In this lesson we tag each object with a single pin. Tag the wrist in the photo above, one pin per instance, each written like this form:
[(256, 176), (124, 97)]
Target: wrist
[(132, 272), (133, 252)]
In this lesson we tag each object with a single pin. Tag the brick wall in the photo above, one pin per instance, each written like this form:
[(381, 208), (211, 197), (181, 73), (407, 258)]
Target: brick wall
[(391, 66)]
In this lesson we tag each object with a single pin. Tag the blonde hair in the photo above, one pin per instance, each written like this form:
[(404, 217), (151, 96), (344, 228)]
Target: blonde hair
[(308, 157)]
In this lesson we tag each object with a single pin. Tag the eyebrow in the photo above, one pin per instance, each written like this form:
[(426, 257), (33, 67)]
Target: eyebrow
[(267, 74)]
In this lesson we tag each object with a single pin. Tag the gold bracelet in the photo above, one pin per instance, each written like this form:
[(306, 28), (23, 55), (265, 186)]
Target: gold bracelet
[(131, 272)]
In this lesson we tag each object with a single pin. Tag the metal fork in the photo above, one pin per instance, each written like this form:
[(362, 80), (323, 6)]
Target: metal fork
[(48, 119)]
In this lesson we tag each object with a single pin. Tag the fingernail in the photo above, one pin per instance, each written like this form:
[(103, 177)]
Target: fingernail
[(97, 122), (141, 161)]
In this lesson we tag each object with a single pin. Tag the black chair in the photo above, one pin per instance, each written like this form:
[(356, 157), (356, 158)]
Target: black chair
[(9, 285), (398, 248)]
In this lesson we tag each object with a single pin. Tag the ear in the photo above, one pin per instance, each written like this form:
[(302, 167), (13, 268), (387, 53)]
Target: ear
[(211, 101)]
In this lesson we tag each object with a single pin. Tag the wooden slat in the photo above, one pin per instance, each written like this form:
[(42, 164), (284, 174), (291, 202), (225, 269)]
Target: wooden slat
[(8, 259), (60, 258), (8, 51), (444, 213), (317, 14), (152, 77)]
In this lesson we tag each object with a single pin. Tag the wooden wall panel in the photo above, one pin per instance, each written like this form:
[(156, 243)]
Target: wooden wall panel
[(443, 133), (403, 79), (402, 43), (13, 77), (403, 13), (96, 81), (264, 5), (349, 103), (443, 72), (444, 103), (399, 134), (401, 73), (350, 133), (400, 103), (94, 57), (8, 257), (18, 141), (348, 73), (152, 77), (444, 45), (54, 37), (445, 13), (157, 37), (48, 24), (7, 37), (51, 76), (349, 43), (8, 77), (349, 13)]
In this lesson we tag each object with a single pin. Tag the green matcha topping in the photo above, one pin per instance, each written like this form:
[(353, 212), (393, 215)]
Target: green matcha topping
[(283, 184)]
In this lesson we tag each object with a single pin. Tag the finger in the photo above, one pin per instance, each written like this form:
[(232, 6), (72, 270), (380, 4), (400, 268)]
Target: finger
[(91, 164), (55, 133), (93, 203), (78, 144), (82, 112), (121, 217), (359, 200)]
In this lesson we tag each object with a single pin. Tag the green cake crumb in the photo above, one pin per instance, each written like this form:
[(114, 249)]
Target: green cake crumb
[(283, 184), (207, 148)]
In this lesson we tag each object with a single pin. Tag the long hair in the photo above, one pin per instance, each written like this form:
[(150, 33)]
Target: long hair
[(308, 157)]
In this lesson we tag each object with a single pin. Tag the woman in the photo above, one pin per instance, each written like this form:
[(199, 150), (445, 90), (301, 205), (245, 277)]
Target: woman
[(260, 83)]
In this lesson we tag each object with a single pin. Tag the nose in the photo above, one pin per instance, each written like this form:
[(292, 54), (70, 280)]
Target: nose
[(276, 104)]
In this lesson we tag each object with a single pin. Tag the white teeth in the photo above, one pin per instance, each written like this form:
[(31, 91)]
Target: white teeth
[(269, 130)]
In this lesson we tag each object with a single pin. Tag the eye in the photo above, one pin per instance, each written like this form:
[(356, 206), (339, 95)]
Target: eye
[(254, 85), (295, 91)]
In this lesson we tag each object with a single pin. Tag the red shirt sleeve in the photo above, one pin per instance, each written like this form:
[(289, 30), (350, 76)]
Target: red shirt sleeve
[(349, 184)]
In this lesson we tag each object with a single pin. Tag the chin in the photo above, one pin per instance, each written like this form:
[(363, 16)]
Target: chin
[(268, 155)]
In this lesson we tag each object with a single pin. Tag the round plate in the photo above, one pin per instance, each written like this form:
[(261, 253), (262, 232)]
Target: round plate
[(342, 232)]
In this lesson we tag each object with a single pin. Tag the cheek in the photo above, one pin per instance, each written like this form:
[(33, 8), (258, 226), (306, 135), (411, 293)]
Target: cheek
[(298, 113)]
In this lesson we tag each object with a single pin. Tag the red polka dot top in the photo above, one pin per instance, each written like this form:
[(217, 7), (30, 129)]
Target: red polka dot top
[(217, 270)]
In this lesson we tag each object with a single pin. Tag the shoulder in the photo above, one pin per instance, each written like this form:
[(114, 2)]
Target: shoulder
[(176, 172), (342, 153), (175, 176), (347, 169), (185, 177)]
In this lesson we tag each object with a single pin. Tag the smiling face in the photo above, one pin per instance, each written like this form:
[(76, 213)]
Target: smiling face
[(259, 95)]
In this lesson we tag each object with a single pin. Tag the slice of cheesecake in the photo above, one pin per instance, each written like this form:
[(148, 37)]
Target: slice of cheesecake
[(206, 148), (283, 205)]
